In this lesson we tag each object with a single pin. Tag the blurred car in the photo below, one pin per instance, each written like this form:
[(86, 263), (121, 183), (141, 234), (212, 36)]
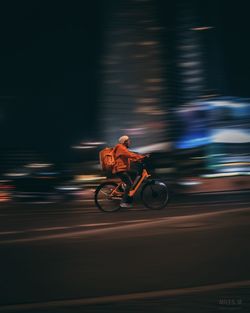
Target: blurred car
[(5, 190), (41, 183)]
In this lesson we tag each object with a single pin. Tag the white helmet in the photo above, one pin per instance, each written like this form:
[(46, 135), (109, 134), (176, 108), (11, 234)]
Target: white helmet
[(122, 139)]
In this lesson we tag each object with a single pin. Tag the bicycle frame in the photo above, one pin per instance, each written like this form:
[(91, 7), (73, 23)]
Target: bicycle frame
[(134, 189), (144, 176), (115, 191)]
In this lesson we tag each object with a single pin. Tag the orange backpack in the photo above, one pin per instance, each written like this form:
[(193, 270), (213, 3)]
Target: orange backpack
[(107, 159)]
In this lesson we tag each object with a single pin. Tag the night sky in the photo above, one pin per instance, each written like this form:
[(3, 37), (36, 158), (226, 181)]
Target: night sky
[(50, 61), (49, 72), (232, 45)]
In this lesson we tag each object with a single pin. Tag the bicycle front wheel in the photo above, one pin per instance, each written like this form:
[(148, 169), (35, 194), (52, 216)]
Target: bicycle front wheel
[(155, 195), (103, 198)]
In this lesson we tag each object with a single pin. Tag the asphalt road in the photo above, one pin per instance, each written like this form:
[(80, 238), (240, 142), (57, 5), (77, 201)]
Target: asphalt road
[(193, 256)]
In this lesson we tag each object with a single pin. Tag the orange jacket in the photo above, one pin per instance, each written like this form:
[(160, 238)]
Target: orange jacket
[(123, 157)]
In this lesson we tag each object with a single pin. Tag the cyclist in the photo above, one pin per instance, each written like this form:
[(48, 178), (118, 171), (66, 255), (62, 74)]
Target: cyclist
[(122, 167)]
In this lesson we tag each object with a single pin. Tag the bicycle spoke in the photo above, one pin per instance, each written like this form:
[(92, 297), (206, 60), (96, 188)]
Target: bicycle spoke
[(155, 195), (106, 198)]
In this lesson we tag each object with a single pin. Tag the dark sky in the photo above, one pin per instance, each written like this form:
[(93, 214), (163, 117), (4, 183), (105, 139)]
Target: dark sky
[(50, 65), (235, 42), (49, 62), (232, 42)]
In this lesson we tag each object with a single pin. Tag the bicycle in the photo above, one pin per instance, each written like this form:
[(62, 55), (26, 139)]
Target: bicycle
[(154, 192)]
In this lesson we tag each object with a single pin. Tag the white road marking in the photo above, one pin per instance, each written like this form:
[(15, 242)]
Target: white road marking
[(45, 229), (141, 221), (124, 297), (93, 209), (135, 225), (49, 228), (11, 232), (96, 224)]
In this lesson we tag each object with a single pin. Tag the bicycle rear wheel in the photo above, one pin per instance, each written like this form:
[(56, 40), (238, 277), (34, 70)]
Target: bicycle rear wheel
[(155, 195), (103, 199)]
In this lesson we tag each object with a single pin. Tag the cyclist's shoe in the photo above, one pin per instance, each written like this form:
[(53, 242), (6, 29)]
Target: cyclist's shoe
[(126, 205)]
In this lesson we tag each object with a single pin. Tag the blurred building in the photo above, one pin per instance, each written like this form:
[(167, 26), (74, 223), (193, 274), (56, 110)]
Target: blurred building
[(189, 55), (192, 85), (211, 129), (173, 102), (134, 94), (199, 68)]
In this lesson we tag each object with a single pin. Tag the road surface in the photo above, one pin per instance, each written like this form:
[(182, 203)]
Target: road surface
[(193, 256)]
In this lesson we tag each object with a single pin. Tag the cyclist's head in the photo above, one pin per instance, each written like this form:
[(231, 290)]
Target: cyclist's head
[(125, 140)]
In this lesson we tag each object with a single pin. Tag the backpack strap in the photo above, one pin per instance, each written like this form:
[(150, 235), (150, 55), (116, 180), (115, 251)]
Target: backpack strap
[(114, 152)]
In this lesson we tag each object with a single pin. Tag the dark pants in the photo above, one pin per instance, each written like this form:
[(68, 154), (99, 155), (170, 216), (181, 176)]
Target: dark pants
[(126, 178)]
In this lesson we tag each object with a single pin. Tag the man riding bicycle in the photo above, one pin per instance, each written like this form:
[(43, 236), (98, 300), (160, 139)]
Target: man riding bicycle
[(154, 192), (122, 167)]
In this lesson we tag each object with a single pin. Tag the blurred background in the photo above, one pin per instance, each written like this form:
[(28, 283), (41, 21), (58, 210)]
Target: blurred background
[(173, 75)]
